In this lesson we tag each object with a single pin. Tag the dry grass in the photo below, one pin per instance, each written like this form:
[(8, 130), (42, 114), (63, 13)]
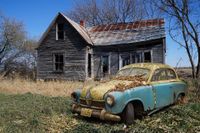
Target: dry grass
[(184, 72), (50, 88)]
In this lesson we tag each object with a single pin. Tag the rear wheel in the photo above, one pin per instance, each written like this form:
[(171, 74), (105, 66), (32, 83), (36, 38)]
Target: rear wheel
[(128, 114), (180, 99)]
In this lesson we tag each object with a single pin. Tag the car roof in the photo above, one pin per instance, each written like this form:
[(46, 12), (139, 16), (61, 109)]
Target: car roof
[(151, 66)]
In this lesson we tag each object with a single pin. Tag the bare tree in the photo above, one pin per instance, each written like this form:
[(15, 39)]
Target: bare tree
[(108, 11), (16, 49), (184, 27), (12, 36)]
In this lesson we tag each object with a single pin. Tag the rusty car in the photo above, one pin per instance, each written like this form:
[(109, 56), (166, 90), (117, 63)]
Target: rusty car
[(136, 90)]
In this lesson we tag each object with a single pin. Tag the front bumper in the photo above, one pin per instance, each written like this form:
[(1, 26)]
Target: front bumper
[(97, 113)]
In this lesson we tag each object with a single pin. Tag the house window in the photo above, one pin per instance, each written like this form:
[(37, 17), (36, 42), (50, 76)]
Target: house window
[(143, 56), (105, 65), (58, 62), (139, 57), (60, 32), (147, 56), (124, 60)]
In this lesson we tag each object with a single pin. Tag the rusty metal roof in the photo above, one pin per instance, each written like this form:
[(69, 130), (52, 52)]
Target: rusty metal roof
[(122, 33)]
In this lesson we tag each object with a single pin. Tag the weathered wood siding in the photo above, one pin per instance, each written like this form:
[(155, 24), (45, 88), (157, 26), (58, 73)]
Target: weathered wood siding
[(115, 51), (75, 51), (73, 47)]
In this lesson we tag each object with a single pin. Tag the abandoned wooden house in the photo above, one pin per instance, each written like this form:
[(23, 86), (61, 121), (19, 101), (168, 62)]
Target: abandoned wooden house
[(71, 51)]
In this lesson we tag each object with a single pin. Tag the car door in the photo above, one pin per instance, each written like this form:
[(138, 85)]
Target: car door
[(176, 85), (162, 88)]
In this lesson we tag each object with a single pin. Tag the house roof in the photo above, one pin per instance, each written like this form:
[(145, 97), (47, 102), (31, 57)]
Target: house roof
[(80, 29), (119, 33)]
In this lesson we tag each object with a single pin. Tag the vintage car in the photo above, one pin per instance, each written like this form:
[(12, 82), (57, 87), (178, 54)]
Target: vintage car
[(137, 89)]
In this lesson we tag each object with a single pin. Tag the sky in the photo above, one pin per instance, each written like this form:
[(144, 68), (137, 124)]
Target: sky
[(38, 14)]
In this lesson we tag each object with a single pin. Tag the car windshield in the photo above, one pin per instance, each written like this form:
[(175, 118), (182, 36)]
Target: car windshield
[(134, 72)]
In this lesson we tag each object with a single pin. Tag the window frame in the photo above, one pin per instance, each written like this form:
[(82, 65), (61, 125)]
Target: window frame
[(173, 72), (108, 56), (54, 62), (151, 55), (121, 57), (163, 69), (167, 79), (57, 31), (138, 56)]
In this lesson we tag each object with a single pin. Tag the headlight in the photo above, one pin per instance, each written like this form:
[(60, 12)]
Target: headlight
[(74, 96), (110, 100)]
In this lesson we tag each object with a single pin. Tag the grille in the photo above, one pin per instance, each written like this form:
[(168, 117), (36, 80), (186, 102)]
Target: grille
[(93, 103)]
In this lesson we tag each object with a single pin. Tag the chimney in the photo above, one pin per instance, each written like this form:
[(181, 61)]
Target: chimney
[(82, 23)]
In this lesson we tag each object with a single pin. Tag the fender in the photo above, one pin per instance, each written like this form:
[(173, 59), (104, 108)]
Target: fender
[(144, 94)]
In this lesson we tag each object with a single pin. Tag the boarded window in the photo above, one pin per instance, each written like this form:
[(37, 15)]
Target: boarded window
[(147, 56), (58, 62), (60, 32), (105, 65)]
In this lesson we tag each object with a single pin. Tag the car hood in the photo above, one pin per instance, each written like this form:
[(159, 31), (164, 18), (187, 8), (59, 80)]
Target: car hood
[(97, 91)]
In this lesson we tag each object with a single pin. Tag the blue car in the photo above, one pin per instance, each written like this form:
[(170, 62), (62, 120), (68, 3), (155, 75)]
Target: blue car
[(137, 89)]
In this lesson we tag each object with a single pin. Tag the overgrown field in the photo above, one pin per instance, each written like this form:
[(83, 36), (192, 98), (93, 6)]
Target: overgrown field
[(36, 113), (25, 107)]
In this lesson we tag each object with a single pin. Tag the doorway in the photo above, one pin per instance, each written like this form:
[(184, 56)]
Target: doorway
[(89, 65)]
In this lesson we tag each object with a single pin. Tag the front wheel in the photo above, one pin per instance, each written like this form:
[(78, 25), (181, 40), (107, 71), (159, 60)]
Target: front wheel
[(128, 114)]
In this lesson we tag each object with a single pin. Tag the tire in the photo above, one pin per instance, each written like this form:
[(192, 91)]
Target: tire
[(180, 99), (128, 115)]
